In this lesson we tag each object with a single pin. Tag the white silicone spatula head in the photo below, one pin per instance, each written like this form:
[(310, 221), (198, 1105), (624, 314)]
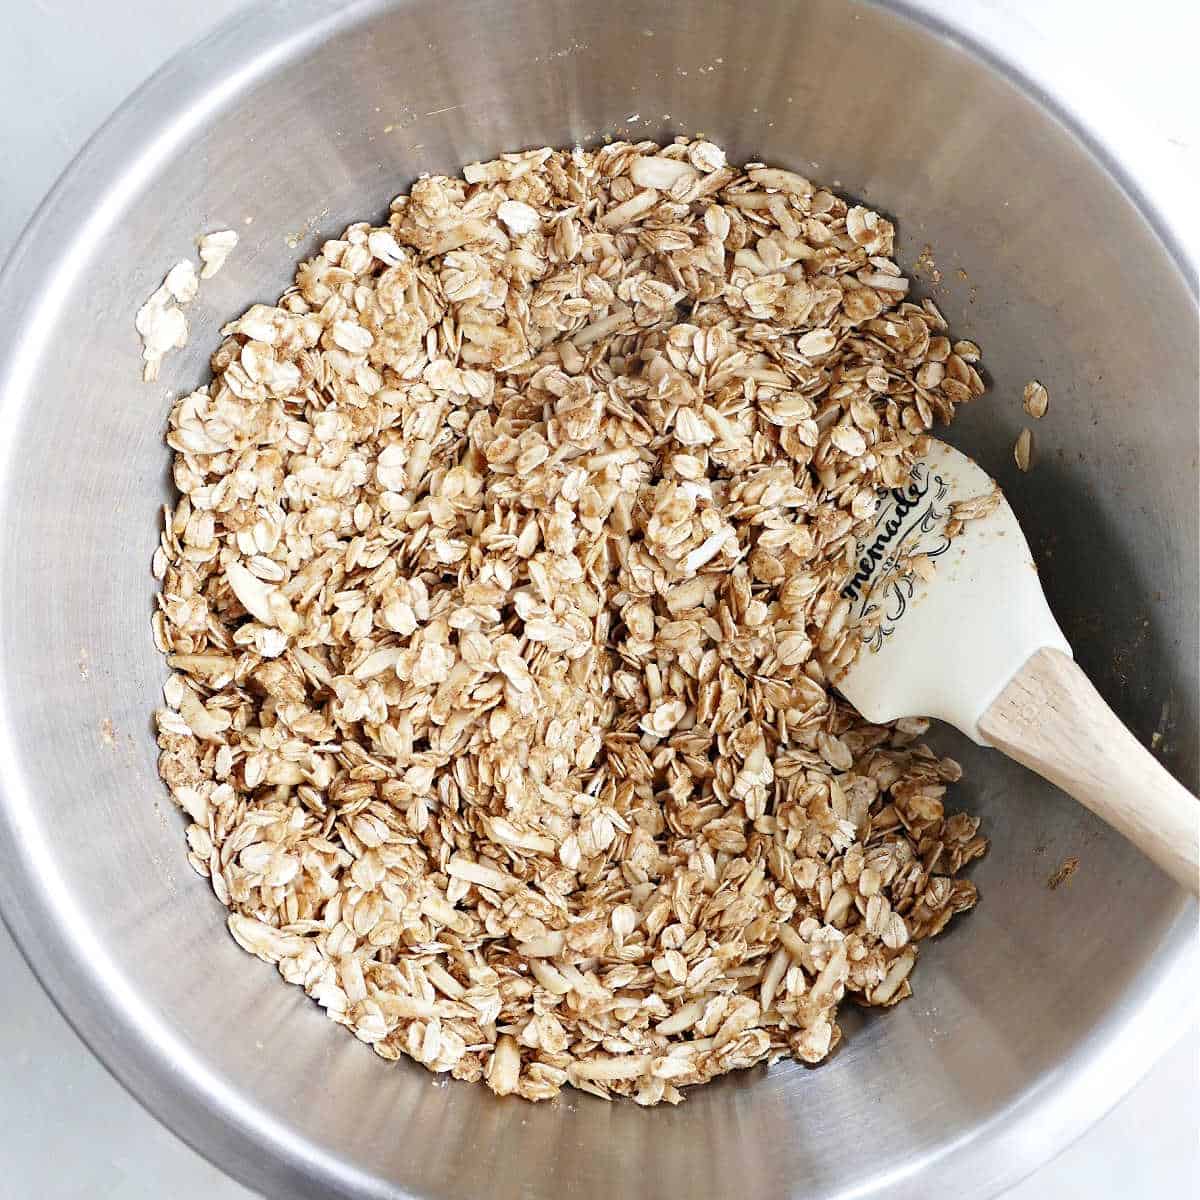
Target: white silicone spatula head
[(944, 645), (955, 625)]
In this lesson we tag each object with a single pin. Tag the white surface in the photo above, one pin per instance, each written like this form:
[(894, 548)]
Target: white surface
[(68, 1131)]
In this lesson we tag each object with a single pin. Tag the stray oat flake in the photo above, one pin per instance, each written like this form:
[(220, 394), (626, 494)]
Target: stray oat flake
[(1063, 873), (214, 249), (1036, 399), (160, 321), (1023, 449)]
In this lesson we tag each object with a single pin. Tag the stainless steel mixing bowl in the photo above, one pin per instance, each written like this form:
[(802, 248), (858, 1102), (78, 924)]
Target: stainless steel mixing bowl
[(1031, 1016)]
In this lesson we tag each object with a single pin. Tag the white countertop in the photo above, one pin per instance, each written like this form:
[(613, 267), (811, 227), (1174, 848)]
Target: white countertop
[(69, 1131)]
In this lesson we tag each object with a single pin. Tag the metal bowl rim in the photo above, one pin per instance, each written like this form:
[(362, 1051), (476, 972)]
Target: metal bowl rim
[(134, 1043)]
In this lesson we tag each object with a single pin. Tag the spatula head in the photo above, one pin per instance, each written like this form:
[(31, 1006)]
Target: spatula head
[(950, 609)]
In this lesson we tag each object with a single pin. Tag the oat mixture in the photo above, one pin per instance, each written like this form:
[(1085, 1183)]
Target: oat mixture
[(501, 600)]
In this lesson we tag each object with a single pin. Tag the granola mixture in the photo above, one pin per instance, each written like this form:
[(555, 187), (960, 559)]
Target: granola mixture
[(501, 599)]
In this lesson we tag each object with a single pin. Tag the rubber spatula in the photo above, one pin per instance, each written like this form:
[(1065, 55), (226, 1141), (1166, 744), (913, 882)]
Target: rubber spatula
[(954, 625)]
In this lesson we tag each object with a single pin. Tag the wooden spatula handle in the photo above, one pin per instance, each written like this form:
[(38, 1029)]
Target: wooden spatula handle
[(1053, 721)]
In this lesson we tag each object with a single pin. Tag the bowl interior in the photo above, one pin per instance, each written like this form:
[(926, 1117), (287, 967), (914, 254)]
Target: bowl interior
[(301, 119)]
